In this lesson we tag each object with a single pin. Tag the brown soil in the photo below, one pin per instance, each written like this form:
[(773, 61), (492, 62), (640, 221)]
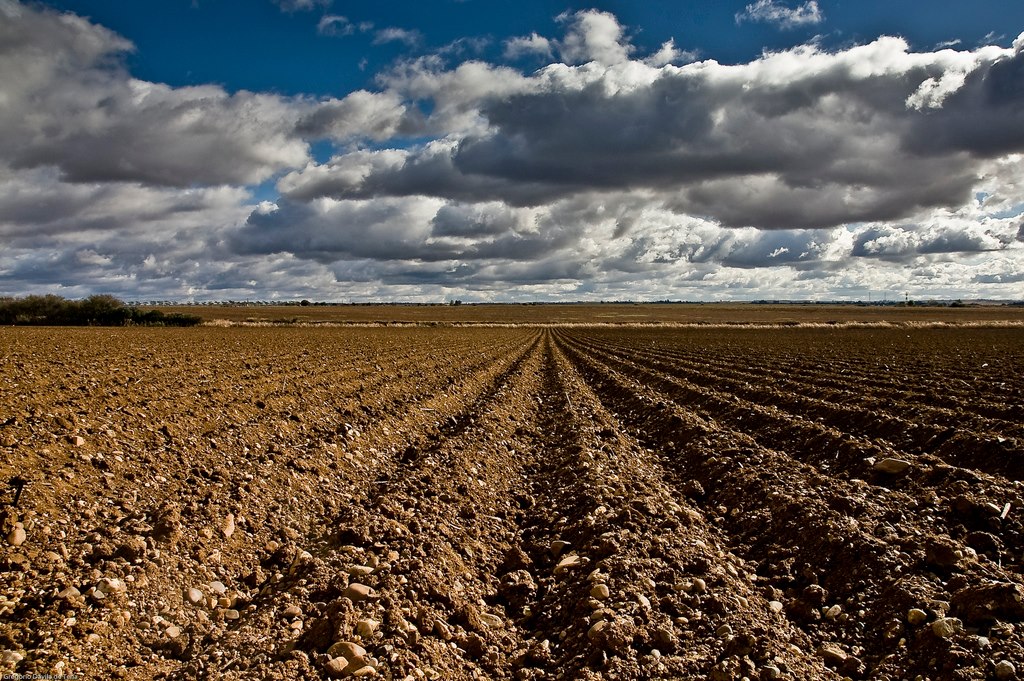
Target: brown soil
[(457, 503)]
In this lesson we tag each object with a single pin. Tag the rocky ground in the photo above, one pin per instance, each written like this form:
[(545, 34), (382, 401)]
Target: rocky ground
[(533, 503)]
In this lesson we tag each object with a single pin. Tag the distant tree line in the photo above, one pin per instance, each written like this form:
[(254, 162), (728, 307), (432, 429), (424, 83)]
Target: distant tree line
[(100, 310)]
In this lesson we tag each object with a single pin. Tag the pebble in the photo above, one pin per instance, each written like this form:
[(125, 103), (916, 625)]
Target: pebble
[(946, 627), (293, 611), (832, 654), (110, 585), (363, 672), (1005, 670), (699, 586), (569, 562), (194, 596), (360, 571), (231, 614), (775, 606), (347, 650), (833, 612), (356, 592), (917, 616), (173, 631), (595, 630), (76, 440), (228, 528), (68, 593), (890, 465), (557, 546), (336, 667), (11, 657), (724, 631), (367, 627), (218, 588), (492, 621), (17, 536)]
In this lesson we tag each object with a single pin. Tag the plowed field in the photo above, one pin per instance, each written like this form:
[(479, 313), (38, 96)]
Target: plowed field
[(527, 503)]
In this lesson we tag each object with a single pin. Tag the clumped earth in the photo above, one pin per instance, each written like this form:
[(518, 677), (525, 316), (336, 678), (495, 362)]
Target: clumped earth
[(532, 503)]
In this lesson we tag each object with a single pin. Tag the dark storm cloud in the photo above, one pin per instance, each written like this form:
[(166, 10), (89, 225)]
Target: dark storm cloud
[(802, 139)]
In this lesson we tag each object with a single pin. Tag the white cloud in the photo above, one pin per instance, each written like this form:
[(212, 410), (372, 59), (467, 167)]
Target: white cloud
[(606, 174), (669, 54), (334, 25), (301, 5), (774, 12), (393, 34), (533, 44), (593, 36)]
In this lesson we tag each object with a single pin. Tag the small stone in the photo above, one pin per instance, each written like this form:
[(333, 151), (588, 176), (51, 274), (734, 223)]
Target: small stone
[(231, 614), (293, 611), (335, 667), (356, 592), (600, 592), (946, 627), (492, 621), (917, 616), (775, 606), (1005, 670), (17, 536), (832, 654), (699, 586), (227, 528), (833, 612), (76, 440), (772, 672), (724, 631), (367, 627), (110, 585), (360, 571), (568, 563), (194, 596), (172, 631), (11, 657), (218, 588), (595, 631), (892, 466), (363, 672), (557, 546), (348, 650), (69, 593)]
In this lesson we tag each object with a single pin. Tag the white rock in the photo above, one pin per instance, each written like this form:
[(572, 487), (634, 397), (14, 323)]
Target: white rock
[(891, 465)]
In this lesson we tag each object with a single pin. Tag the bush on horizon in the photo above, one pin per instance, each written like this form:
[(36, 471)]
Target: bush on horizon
[(98, 310)]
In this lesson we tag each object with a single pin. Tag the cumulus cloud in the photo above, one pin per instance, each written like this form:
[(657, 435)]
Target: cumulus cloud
[(606, 173), (71, 104), (593, 36), (532, 44), (783, 16)]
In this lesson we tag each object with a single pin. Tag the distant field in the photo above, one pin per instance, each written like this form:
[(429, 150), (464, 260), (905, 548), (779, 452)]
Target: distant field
[(724, 313)]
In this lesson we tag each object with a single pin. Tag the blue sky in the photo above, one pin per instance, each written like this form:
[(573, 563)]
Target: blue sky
[(280, 149), (256, 46)]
